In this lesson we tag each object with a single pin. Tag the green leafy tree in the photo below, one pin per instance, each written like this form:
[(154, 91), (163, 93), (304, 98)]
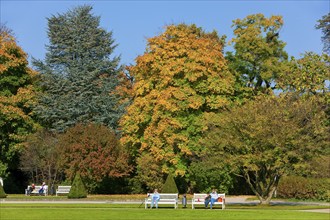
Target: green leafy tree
[(95, 152), (307, 75), (258, 54), (324, 25), (181, 76), (268, 138), (170, 185), (78, 189), (17, 94), (209, 173), (78, 75)]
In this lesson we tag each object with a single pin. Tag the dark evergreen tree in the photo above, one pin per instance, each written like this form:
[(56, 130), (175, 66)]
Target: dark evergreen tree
[(78, 75), (324, 25), (2, 192), (170, 185), (78, 189)]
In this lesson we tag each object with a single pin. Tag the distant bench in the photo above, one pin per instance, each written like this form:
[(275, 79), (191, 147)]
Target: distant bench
[(165, 198), (36, 190), (199, 199), (63, 190)]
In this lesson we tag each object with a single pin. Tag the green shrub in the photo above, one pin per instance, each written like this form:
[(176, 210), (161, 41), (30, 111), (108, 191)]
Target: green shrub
[(304, 188), (78, 189), (2, 192), (170, 185)]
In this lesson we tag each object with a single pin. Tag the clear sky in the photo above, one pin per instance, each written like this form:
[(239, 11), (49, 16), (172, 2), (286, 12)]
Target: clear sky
[(134, 21)]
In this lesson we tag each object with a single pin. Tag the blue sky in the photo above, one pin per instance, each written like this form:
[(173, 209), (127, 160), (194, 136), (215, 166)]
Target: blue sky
[(132, 22)]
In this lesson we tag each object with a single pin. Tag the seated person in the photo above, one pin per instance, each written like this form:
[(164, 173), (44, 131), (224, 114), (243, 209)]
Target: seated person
[(42, 189), (30, 189), (213, 197), (154, 199)]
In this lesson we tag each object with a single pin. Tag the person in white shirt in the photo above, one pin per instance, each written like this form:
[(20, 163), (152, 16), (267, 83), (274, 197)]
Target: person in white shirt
[(154, 199), (214, 197)]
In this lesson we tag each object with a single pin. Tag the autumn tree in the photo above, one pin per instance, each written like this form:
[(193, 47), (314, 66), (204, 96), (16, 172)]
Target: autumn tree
[(79, 75), (258, 54), (324, 25), (17, 94), (181, 76), (42, 157), (307, 75), (95, 152), (264, 143)]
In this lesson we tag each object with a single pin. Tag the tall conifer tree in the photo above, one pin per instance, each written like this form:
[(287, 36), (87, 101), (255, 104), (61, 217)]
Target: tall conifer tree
[(79, 76)]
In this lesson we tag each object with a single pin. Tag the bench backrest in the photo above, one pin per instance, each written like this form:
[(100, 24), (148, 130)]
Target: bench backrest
[(165, 196), (201, 196), (64, 188)]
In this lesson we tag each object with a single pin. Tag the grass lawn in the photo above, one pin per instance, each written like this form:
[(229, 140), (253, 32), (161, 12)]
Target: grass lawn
[(47, 211)]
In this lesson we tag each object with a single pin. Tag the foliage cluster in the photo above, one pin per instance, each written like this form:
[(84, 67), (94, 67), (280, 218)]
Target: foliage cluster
[(304, 188)]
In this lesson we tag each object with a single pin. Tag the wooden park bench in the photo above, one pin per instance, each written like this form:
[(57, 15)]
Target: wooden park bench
[(199, 199), (63, 190), (165, 198), (36, 190)]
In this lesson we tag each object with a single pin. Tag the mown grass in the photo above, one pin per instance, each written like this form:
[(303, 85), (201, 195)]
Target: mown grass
[(56, 211)]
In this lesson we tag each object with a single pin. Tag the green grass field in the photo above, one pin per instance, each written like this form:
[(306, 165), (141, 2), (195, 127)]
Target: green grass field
[(45, 211)]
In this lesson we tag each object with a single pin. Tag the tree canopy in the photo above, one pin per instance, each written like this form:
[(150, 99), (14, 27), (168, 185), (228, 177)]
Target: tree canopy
[(307, 75), (17, 94), (259, 53), (181, 76), (95, 152), (268, 138), (78, 75)]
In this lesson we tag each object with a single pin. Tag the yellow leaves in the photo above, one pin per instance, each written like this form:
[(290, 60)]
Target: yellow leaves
[(181, 76), (12, 56), (195, 102)]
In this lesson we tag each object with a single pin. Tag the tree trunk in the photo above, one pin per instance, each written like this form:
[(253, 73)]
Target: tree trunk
[(260, 192)]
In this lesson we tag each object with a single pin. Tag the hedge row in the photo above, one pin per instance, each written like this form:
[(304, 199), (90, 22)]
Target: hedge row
[(304, 188)]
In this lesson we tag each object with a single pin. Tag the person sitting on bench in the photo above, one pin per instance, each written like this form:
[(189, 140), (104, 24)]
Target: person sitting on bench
[(155, 198)]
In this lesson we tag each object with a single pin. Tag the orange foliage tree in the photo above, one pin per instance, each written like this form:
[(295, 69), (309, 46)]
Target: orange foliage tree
[(181, 76), (95, 152), (16, 98)]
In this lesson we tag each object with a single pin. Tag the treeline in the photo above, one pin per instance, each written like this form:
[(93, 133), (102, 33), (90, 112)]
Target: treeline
[(185, 108)]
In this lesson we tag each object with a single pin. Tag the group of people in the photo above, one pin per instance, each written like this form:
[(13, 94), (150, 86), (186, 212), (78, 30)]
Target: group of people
[(33, 187), (211, 198)]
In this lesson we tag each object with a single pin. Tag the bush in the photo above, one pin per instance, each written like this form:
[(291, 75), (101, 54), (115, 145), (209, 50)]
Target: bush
[(2, 192), (206, 175), (170, 185), (304, 188), (78, 189)]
